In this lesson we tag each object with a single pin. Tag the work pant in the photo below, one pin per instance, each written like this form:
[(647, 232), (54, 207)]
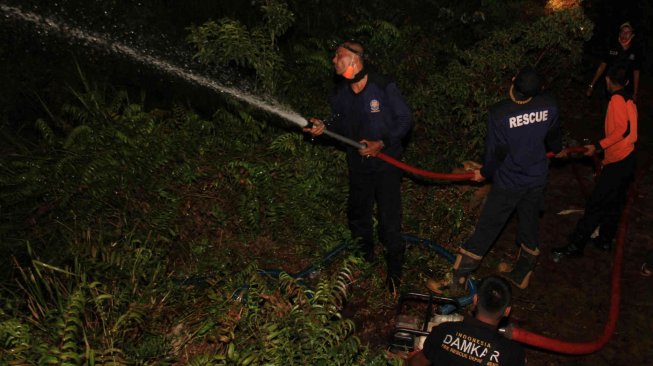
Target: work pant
[(384, 188), (604, 206), (499, 206)]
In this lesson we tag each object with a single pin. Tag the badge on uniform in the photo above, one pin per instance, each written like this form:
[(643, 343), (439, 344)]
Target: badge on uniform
[(375, 106)]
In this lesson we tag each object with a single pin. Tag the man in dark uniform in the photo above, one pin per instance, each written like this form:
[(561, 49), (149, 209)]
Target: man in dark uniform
[(520, 129), (370, 109), (624, 51), (474, 341)]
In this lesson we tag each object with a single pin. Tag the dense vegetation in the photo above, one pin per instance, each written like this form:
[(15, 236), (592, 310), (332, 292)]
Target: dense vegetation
[(138, 236)]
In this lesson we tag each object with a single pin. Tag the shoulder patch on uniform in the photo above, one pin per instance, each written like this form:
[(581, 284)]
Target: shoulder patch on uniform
[(375, 106)]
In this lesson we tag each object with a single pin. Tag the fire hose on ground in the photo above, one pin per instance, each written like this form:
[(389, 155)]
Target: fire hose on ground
[(513, 332), (580, 348)]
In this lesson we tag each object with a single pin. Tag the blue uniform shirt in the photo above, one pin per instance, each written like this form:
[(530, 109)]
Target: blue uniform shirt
[(517, 139), (378, 112)]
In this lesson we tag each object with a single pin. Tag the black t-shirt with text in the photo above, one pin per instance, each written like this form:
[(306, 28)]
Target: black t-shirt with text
[(468, 343)]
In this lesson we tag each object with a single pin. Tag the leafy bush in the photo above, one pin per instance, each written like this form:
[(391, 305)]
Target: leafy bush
[(229, 41), (105, 204), (123, 189)]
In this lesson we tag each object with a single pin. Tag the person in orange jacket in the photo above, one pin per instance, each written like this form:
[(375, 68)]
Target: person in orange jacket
[(603, 209)]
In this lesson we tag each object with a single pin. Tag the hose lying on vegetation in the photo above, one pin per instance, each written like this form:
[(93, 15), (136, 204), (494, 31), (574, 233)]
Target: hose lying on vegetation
[(579, 348), (511, 331), (330, 256)]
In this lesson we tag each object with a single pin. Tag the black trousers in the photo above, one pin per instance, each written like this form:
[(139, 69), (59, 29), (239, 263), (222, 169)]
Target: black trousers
[(604, 206), (500, 204), (384, 189)]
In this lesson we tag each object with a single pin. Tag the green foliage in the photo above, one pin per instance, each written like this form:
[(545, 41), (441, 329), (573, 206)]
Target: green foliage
[(115, 200), (117, 223), (285, 323), (229, 40), (68, 331), (60, 303), (107, 156), (439, 213), (480, 76), (15, 339)]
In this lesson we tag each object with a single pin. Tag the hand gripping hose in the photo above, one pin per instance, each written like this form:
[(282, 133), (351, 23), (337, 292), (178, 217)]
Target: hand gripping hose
[(579, 348), (403, 166), (425, 173)]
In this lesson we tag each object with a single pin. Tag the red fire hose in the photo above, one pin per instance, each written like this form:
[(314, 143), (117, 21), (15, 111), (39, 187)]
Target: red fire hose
[(521, 335), (421, 172), (537, 340), (424, 173), (578, 348), (450, 176)]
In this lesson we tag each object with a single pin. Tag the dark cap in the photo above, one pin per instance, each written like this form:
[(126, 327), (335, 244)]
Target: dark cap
[(528, 82), (354, 47)]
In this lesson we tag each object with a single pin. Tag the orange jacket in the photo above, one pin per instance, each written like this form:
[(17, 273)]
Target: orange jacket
[(620, 129)]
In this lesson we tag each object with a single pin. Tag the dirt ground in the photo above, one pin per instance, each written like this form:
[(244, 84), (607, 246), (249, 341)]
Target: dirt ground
[(570, 300)]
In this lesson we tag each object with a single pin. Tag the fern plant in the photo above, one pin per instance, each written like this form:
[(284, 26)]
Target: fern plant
[(286, 323), (229, 40)]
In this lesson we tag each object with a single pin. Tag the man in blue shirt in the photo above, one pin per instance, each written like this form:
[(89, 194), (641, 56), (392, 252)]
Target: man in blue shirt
[(624, 51), (369, 108), (520, 130)]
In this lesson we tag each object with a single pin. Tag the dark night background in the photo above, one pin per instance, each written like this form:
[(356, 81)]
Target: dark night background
[(40, 68), (43, 62)]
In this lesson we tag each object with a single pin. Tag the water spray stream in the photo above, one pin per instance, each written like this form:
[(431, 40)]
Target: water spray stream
[(92, 38)]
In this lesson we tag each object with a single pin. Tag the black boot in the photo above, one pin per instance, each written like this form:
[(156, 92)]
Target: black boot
[(466, 263), (521, 272), (571, 250), (395, 263)]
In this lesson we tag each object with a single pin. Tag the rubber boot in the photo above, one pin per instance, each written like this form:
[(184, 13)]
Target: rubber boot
[(522, 271), (466, 263)]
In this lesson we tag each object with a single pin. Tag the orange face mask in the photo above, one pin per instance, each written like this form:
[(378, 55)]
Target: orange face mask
[(349, 72)]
